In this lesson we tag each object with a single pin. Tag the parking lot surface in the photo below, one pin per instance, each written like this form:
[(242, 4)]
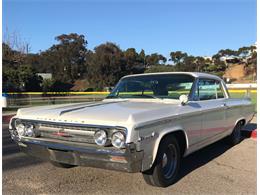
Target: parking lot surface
[(216, 169)]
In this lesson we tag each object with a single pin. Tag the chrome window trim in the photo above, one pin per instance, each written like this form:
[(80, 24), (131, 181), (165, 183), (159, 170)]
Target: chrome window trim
[(190, 92), (223, 87), (193, 89)]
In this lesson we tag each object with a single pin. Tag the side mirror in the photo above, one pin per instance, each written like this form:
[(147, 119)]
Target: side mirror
[(183, 99)]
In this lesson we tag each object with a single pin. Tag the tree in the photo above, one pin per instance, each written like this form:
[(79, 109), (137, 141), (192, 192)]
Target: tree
[(244, 51), (16, 75), (24, 78), (178, 56), (67, 58), (29, 80), (183, 62), (227, 52), (142, 57), (251, 65), (106, 65), (160, 68), (200, 63), (35, 61), (134, 62), (155, 59), (47, 85), (130, 57), (11, 81)]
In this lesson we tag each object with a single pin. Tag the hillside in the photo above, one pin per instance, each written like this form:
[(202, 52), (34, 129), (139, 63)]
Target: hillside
[(238, 73)]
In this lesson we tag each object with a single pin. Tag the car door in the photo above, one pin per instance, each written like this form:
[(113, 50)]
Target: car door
[(211, 99)]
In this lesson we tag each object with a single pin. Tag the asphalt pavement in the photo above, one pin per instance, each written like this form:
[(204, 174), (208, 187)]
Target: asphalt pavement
[(216, 169)]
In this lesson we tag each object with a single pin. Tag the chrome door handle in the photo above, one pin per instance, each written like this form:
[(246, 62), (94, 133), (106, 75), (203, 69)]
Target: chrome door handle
[(225, 105)]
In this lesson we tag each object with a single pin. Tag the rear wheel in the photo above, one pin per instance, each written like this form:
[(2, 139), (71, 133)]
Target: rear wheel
[(165, 170), (62, 165), (235, 137)]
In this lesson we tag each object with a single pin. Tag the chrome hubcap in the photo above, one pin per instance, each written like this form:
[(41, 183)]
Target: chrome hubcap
[(169, 161)]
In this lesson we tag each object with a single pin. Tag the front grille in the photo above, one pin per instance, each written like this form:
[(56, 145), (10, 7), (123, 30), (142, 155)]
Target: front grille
[(78, 134)]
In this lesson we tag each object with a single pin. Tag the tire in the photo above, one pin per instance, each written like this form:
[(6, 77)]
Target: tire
[(165, 169), (235, 137), (62, 165)]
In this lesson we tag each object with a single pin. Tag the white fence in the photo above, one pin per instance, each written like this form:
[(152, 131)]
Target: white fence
[(241, 85)]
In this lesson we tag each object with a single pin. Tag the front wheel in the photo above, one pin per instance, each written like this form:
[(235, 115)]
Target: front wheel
[(165, 170)]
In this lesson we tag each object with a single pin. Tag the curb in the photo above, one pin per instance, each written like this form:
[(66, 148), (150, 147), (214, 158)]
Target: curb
[(247, 133), (254, 134)]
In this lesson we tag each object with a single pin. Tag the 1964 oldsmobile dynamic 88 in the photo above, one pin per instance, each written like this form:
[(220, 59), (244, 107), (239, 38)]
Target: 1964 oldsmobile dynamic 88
[(147, 124)]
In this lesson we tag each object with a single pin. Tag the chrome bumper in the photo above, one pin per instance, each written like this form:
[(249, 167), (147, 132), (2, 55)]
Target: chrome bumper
[(127, 160)]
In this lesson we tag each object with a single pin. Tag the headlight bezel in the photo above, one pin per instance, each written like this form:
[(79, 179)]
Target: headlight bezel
[(118, 135), (109, 134), (28, 129), (19, 128), (105, 141)]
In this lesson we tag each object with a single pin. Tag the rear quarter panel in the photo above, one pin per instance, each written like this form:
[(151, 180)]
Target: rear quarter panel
[(238, 109)]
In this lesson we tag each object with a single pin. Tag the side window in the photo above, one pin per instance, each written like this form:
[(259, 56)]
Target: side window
[(220, 91), (209, 89)]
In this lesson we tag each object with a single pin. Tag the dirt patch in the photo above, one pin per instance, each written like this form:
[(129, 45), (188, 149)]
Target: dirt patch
[(235, 72)]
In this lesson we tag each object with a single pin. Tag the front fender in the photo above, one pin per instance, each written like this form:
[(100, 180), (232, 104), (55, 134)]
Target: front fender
[(149, 141)]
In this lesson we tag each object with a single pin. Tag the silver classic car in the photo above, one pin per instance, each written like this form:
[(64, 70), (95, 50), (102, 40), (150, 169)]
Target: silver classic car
[(147, 124)]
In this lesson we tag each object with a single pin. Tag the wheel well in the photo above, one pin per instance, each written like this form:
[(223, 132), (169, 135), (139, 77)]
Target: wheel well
[(243, 121), (180, 136)]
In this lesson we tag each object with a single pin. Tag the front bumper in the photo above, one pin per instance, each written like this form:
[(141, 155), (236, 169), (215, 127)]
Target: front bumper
[(127, 160)]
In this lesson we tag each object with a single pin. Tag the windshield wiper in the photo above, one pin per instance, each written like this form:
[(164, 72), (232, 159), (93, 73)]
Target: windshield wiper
[(149, 96), (137, 95), (113, 96)]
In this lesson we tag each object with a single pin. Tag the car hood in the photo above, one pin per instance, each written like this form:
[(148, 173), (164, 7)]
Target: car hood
[(107, 112)]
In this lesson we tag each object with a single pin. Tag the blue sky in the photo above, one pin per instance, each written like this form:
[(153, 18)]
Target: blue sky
[(198, 27)]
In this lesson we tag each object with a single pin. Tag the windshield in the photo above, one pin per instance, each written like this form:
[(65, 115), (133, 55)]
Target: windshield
[(161, 86)]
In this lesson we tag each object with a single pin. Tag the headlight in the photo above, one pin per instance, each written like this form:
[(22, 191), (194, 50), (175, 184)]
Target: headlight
[(100, 137), (23, 129), (20, 128), (118, 139), (29, 130)]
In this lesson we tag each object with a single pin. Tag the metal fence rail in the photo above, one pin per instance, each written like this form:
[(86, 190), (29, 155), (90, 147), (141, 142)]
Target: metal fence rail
[(21, 100)]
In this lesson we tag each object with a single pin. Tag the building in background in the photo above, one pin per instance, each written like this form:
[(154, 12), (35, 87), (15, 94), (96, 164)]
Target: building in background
[(45, 76)]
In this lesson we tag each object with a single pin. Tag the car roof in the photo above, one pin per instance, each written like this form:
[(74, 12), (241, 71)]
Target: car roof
[(194, 74)]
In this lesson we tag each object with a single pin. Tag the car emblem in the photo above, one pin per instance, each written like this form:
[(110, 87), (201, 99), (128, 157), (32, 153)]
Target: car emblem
[(62, 133)]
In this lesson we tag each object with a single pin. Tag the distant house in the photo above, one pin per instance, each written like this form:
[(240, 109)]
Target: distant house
[(45, 76), (231, 59)]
